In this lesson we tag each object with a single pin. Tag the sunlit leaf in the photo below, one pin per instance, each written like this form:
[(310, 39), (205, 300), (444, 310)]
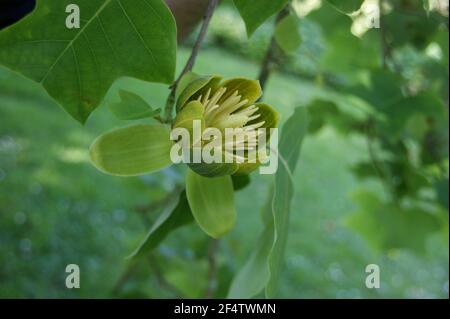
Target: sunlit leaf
[(77, 66)]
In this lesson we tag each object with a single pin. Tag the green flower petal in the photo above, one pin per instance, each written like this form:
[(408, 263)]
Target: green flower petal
[(247, 168), (214, 169), (195, 87), (271, 119), (133, 150), (185, 118), (212, 203), (248, 89), (269, 116), (187, 79)]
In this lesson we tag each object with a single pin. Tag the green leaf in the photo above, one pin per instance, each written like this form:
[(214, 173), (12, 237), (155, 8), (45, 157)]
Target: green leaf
[(288, 35), (388, 226), (253, 276), (346, 6), (133, 150), (255, 13), (212, 203), (421, 29), (263, 266), (77, 66), (132, 107), (291, 141), (441, 188), (380, 81), (175, 215), (400, 112)]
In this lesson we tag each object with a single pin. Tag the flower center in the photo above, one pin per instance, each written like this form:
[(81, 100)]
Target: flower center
[(229, 112), (232, 113)]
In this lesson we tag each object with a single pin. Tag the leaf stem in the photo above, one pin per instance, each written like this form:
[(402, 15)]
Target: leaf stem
[(272, 51), (191, 61), (376, 163), (387, 54)]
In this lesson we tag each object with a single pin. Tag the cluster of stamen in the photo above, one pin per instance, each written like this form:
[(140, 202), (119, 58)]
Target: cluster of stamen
[(230, 113)]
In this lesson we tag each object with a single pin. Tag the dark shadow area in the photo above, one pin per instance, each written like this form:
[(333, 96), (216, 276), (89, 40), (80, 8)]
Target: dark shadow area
[(12, 11)]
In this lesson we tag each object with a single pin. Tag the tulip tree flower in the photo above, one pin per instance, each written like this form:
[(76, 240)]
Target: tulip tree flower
[(217, 106), (229, 107)]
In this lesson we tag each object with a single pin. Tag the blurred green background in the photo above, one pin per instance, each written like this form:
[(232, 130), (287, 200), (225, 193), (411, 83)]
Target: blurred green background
[(56, 209)]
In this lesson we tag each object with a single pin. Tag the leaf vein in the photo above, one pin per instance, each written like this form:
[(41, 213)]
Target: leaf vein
[(137, 31), (71, 42)]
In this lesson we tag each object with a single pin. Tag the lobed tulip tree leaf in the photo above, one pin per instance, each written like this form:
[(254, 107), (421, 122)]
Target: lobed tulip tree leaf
[(255, 13), (287, 34), (76, 66), (133, 150), (132, 107), (212, 203), (175, 215), (346, 6), (263, 267), (387, 225)]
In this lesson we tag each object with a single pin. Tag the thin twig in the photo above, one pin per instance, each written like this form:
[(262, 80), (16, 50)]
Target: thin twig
[(155, 206), (212, 268), (123, 279), (191, 61), (161, 280), (385, 45), (272, 51), (376, 162)]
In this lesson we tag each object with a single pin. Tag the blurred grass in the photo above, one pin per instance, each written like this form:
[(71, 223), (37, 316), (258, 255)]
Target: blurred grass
[(56, 209)]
